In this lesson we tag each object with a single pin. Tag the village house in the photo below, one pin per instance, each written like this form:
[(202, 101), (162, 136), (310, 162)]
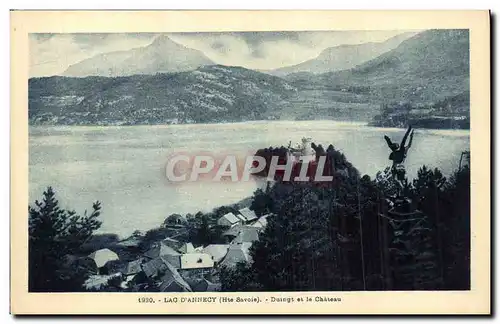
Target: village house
[(228, 220), (186, 258), (261, 223), (169, 278), (155, 267), (176, 265), (258, 225), (217, 251), (247, 235), (238, 252), (247, 215), (160, 250), (171, 281), (244, 233), (103, 256), (196, 261), (187, 248), (241, 218), (133, 268), (233, 231)]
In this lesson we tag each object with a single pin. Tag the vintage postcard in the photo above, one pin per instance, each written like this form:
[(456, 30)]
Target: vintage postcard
[(250, 162)]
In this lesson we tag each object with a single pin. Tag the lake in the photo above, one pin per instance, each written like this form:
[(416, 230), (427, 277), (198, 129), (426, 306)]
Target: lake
[(123, 167)]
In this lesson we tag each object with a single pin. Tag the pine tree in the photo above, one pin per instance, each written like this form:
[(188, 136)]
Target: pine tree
[(204, 232), (297, 249), (53, 234), (240, 278), (261, 203), (457, 231)]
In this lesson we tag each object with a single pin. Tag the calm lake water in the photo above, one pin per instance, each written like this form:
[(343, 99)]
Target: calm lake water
[(123, 167)]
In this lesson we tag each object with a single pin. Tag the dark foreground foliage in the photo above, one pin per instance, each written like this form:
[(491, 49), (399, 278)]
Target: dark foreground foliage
[(55, 234), (337, 237)]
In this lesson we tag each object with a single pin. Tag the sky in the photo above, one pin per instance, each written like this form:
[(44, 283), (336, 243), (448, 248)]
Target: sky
[(52, 54)]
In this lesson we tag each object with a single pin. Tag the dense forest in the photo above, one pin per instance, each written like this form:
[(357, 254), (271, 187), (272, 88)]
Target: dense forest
[(354, 233)]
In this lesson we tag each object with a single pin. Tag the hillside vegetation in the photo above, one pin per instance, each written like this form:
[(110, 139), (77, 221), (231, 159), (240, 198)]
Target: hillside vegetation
[(205, 95)]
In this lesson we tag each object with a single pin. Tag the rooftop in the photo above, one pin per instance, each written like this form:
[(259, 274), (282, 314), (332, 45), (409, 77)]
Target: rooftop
[(217, 251), (248, 214), (103, 256), (231, 218)]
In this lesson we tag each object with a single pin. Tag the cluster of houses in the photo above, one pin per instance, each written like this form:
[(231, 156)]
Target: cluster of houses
[(176, 266)]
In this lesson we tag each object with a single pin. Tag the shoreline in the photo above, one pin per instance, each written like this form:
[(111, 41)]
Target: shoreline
[(248, 122)]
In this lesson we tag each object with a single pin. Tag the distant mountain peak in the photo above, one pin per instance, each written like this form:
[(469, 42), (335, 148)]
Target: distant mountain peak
[(165, 41), (344, 56), (161, 38), (427, 67), (163, 55)]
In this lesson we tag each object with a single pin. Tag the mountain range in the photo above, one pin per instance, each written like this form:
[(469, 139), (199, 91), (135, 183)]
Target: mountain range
[(427, 67), (162, 56), (168, 83), (343, 57)]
